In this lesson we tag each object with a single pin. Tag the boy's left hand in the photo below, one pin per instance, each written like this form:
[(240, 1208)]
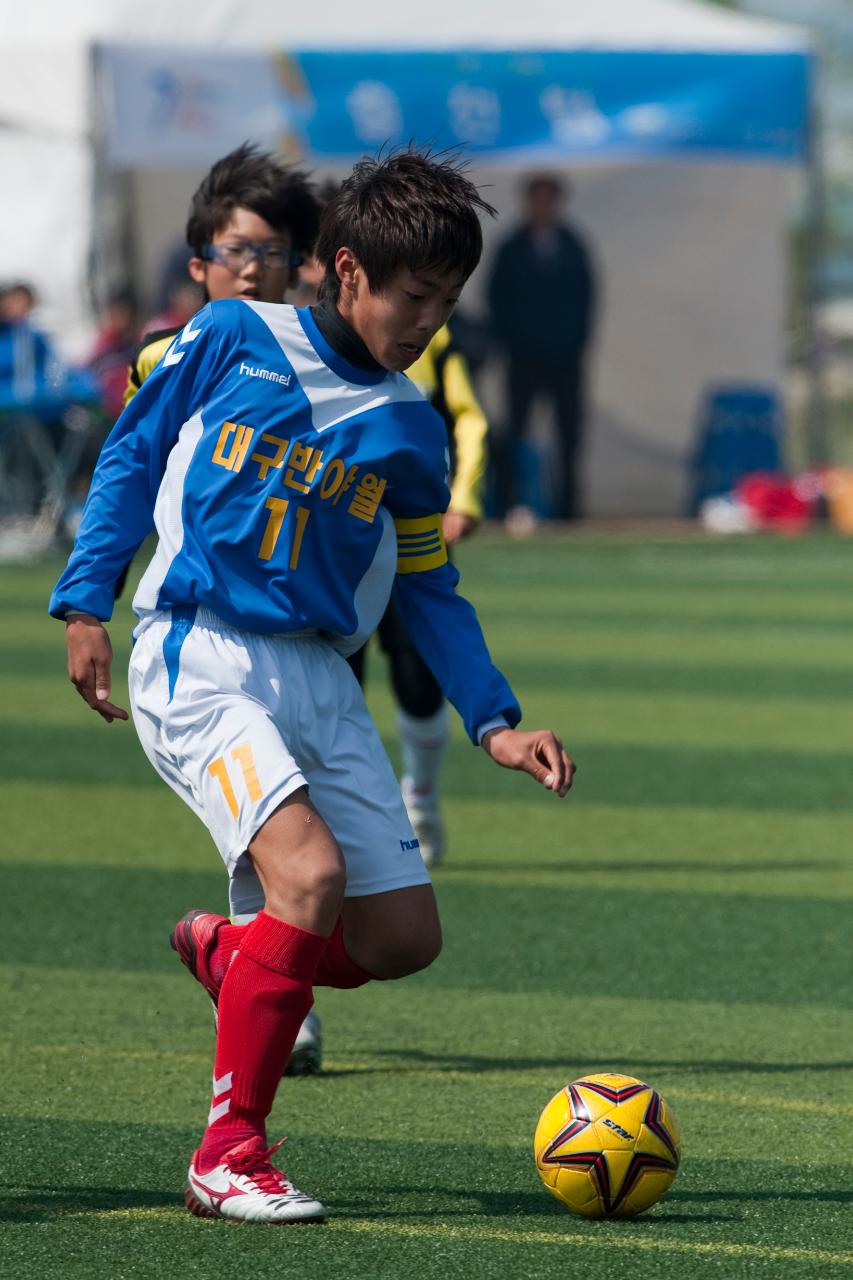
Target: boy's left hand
[(455, 526), (538, 752)]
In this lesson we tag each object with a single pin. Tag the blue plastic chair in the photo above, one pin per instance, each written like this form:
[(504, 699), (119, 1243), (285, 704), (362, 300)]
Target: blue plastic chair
[(739, 431)]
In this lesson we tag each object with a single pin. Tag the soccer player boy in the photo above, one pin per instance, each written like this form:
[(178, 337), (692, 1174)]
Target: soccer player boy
[(294, 478), (252, 222)]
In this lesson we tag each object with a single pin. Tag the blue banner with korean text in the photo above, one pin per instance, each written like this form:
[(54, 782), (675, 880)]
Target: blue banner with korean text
[(557, 105), (169, 107)]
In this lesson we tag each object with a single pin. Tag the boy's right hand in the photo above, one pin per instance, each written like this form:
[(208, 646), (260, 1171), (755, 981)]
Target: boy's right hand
[(90, 657), (539, 753)]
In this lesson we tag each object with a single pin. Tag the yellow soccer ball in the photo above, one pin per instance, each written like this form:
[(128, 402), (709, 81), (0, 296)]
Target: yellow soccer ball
[(607, 1146)]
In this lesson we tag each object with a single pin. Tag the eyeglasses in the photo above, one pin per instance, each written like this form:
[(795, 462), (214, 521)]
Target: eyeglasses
[(236, 257)]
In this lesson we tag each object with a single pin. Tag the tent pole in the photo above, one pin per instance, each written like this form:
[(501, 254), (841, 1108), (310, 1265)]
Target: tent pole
[(112, 256), (818, 442)]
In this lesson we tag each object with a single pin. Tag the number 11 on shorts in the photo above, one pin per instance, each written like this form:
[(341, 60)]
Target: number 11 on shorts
[(242, 753)]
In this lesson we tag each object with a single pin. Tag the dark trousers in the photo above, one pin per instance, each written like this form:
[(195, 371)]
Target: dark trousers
[(562, 386), (415, 687)]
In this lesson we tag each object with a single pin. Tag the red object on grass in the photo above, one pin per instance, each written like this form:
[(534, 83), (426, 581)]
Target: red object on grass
[(777, 501)]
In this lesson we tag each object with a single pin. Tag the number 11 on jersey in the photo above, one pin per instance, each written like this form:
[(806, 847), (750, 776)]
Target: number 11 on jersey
[(278, 508)]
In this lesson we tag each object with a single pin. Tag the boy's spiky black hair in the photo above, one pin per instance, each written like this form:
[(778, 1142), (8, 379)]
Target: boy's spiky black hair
[(249, 178), (407, 209)]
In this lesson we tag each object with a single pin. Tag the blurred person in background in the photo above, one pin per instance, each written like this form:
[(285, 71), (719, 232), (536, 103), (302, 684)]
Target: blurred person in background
[(174, 270), (50, 405), (542, 302), (183, 300), (27, 359), (113, 349), (441, 373), (17, 302), (33, 376)]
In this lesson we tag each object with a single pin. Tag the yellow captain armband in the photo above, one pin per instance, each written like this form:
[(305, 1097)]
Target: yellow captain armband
[(420, 544)]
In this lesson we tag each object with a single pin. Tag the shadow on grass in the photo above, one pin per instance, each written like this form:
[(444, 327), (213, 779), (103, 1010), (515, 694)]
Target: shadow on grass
[(42, 1204), (630, 866), (735, 948), (35, 1202), (680, 1219), (830, 1197), (454, 1202), (509, 1206), (640, 774), (417, 1059)]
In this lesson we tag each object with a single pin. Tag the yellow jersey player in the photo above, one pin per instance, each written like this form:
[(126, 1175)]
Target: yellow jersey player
[(423, 723)]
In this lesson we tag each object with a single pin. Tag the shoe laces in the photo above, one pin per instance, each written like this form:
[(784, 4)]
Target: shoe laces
[(255, 1163)]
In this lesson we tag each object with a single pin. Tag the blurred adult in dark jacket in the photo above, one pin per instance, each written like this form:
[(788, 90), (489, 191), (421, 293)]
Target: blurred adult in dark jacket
[(542, 303)]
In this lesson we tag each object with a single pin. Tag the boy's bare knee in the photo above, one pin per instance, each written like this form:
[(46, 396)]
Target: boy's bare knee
[(401, 957), (300, 867), (300, 887), (393, 934)]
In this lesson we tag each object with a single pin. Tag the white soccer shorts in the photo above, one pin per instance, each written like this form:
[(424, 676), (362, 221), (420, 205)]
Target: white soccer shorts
[(235, 722)]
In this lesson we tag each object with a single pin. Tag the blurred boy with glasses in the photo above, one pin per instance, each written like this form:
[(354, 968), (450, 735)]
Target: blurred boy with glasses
[(252, 222)]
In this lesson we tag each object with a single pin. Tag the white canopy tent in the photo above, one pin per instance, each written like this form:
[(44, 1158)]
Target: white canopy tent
[(229, 24), (690, 245)]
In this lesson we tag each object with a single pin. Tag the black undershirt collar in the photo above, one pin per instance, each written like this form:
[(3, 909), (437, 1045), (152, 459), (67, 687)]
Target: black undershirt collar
[(341, 336)]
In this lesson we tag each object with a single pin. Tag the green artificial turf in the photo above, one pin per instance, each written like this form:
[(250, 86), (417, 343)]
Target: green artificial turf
[(684, 916)]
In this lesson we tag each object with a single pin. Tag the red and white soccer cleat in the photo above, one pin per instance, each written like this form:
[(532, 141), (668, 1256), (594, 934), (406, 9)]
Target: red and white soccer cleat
[(194, 939), (246, 1187)]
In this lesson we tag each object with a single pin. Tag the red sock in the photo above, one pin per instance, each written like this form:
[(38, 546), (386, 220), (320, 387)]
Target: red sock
[(264, 999), (335, 967), (228, 941)]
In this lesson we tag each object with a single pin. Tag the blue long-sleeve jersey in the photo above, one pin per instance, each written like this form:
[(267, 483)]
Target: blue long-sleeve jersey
[(290, 491)]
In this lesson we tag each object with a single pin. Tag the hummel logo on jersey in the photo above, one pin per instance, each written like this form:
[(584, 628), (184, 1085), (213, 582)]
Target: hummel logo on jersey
[(188, 334), (269, 375)]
